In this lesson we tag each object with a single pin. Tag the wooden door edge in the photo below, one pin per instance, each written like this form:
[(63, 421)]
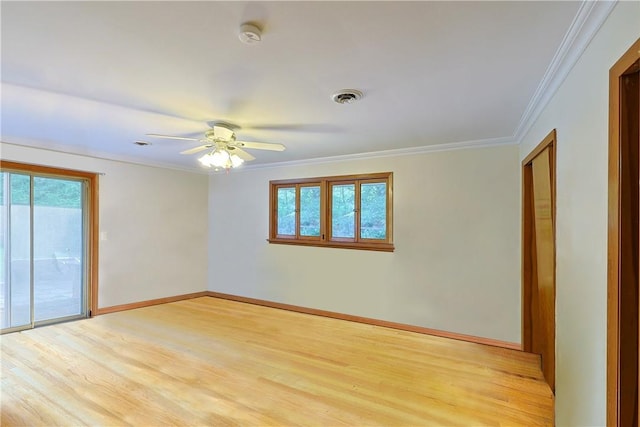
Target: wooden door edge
[(613, 233)]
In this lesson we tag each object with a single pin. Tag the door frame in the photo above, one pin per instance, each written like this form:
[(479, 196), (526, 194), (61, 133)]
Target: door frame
[(620, 68), (92, 218), (528, 273)]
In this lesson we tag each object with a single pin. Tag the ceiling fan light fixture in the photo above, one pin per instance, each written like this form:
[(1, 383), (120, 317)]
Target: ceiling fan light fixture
[(205, 160), (221, 158), (235, 160)]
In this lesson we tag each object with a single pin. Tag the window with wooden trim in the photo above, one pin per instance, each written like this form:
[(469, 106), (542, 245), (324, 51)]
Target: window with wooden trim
[(350, 211)]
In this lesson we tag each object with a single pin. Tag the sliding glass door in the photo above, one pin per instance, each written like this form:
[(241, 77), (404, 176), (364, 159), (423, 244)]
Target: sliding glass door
[(43, 275)]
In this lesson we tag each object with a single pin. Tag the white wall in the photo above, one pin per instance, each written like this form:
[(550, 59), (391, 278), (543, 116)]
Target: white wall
[(456, 232), (155, 222), (579, 112)]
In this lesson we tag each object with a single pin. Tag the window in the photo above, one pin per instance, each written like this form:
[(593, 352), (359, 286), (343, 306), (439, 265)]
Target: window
[(353, 211)]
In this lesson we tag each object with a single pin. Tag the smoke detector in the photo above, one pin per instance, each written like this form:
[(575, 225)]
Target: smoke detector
[(250, 34), (346, 96)]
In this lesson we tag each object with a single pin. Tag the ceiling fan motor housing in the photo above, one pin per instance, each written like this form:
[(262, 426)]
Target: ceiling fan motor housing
[(220, 133)]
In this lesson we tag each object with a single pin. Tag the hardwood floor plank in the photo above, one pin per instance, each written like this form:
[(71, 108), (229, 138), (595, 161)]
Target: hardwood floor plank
[(209, 361)]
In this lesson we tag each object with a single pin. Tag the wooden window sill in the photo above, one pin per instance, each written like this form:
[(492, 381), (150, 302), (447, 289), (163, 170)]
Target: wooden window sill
[(381, 247)]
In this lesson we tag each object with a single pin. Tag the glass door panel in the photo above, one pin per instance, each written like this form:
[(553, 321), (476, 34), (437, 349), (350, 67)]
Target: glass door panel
[(4, 251), (57, 248), (15, 287)]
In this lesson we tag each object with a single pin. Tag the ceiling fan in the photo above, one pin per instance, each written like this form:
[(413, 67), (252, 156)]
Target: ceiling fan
[(225, 150)]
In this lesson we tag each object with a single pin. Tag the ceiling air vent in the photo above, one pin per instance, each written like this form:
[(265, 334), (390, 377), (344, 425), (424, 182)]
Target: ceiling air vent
[(346, 96)]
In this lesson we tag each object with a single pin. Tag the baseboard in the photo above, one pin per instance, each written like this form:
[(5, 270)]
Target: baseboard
[(369, 321), (140, 304), (316, 312)]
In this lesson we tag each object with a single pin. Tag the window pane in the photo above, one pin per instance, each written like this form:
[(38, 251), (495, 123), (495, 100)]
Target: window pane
[(310, 211), (342, 207), (287, 211), (373, 211)]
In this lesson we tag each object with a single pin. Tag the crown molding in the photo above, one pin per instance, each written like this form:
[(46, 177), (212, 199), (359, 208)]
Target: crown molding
[(590, 17), (66, 149), (480, 143), (74, 151)]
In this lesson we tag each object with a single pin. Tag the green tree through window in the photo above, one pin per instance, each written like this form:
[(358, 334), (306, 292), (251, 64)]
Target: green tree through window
[(287, 211), (52, 192), (343, 210), (373, 211), (310, 211)]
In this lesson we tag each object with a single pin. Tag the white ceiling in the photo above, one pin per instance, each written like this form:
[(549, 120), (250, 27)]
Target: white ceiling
[(92, 77)]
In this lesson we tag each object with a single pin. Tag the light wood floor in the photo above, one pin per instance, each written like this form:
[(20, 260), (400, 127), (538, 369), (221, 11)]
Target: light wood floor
[(208, 361)]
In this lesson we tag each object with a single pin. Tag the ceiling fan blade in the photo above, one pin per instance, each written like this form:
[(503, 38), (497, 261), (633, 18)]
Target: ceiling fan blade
[(241, 153), (260, 145), (183, 138), (196, 149), (301, 127)]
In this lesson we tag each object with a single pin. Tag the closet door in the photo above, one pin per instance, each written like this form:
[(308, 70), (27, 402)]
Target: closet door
[(539, 255), (545, 286)]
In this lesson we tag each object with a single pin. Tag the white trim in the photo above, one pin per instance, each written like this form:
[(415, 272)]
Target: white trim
[(585, 25), (67, 149), (481, 143)]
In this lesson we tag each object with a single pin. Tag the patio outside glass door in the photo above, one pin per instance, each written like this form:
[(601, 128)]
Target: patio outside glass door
[(43, 249)]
